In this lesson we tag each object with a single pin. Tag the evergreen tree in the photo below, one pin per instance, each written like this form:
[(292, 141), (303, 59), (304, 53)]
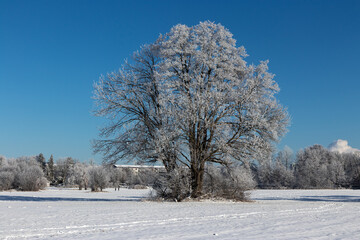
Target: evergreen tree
[(50, 169), (41, 160)]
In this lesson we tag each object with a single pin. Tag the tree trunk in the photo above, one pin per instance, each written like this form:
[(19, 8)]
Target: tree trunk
[(197, 178)]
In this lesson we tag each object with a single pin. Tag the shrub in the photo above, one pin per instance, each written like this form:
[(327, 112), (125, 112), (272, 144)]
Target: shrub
[(23, 174), (6, 180), (31, 179), (174, 185), (228, 183)]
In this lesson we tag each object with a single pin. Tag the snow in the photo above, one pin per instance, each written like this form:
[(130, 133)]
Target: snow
[(274, 214)]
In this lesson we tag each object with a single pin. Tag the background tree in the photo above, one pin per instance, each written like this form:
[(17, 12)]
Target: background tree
[(275, 175), (63, 171), (6, 179), (317, 167), (117, 177), (98, 178), (8, 171), (42, 162), (50, 169), (2, 160), (31, 179), (190, 99), (352, 169), (23, 173), (286, 157), (80, 175)]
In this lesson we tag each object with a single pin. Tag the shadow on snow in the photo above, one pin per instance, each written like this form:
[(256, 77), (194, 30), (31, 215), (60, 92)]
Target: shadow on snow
[(330, 198), (55, 199)]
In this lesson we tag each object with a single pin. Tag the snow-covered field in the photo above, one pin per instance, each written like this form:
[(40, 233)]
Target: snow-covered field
[(275, 214)]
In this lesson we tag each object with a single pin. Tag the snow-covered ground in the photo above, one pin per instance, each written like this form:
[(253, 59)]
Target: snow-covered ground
[(275, 214)]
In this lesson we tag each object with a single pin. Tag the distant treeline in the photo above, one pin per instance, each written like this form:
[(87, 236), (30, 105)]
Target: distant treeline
[(313, 167), (35, 173)]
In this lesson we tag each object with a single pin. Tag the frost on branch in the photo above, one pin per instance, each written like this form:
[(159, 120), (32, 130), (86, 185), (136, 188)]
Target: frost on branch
[(190, 99)]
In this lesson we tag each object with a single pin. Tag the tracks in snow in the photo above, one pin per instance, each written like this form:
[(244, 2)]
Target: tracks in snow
[(78, 230)]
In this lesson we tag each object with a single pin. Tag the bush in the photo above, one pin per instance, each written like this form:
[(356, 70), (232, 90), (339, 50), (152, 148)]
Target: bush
[(219, 182), (6, 180), (23, 174), (173, 186), (229, 183), (31, 179)]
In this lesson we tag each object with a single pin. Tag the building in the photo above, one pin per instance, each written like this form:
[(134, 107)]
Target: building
[(138, 168)]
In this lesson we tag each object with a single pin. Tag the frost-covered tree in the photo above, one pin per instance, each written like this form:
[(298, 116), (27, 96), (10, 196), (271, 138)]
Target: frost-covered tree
[(285, 157), (275, 175), (80, 175), (117, 177), (7, 174), (2, 160), (63, 170), (190, 99), (31, 179), (317, 167), (351, 164), (277, 172), (98, 178), (28, 175), (8, 170)]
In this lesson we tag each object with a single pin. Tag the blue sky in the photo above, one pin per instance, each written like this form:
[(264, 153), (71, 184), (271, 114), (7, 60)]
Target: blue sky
[(51, 53)]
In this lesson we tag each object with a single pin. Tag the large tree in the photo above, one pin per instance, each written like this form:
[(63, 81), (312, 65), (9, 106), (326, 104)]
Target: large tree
[(188, 99)]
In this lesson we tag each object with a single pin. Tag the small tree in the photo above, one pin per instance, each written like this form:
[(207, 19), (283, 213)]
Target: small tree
[(63, 171), (98, 178), (80, 175), (285, 157), (117, 177)]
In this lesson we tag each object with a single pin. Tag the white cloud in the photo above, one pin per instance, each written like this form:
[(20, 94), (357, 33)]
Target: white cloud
[(342, 146)]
